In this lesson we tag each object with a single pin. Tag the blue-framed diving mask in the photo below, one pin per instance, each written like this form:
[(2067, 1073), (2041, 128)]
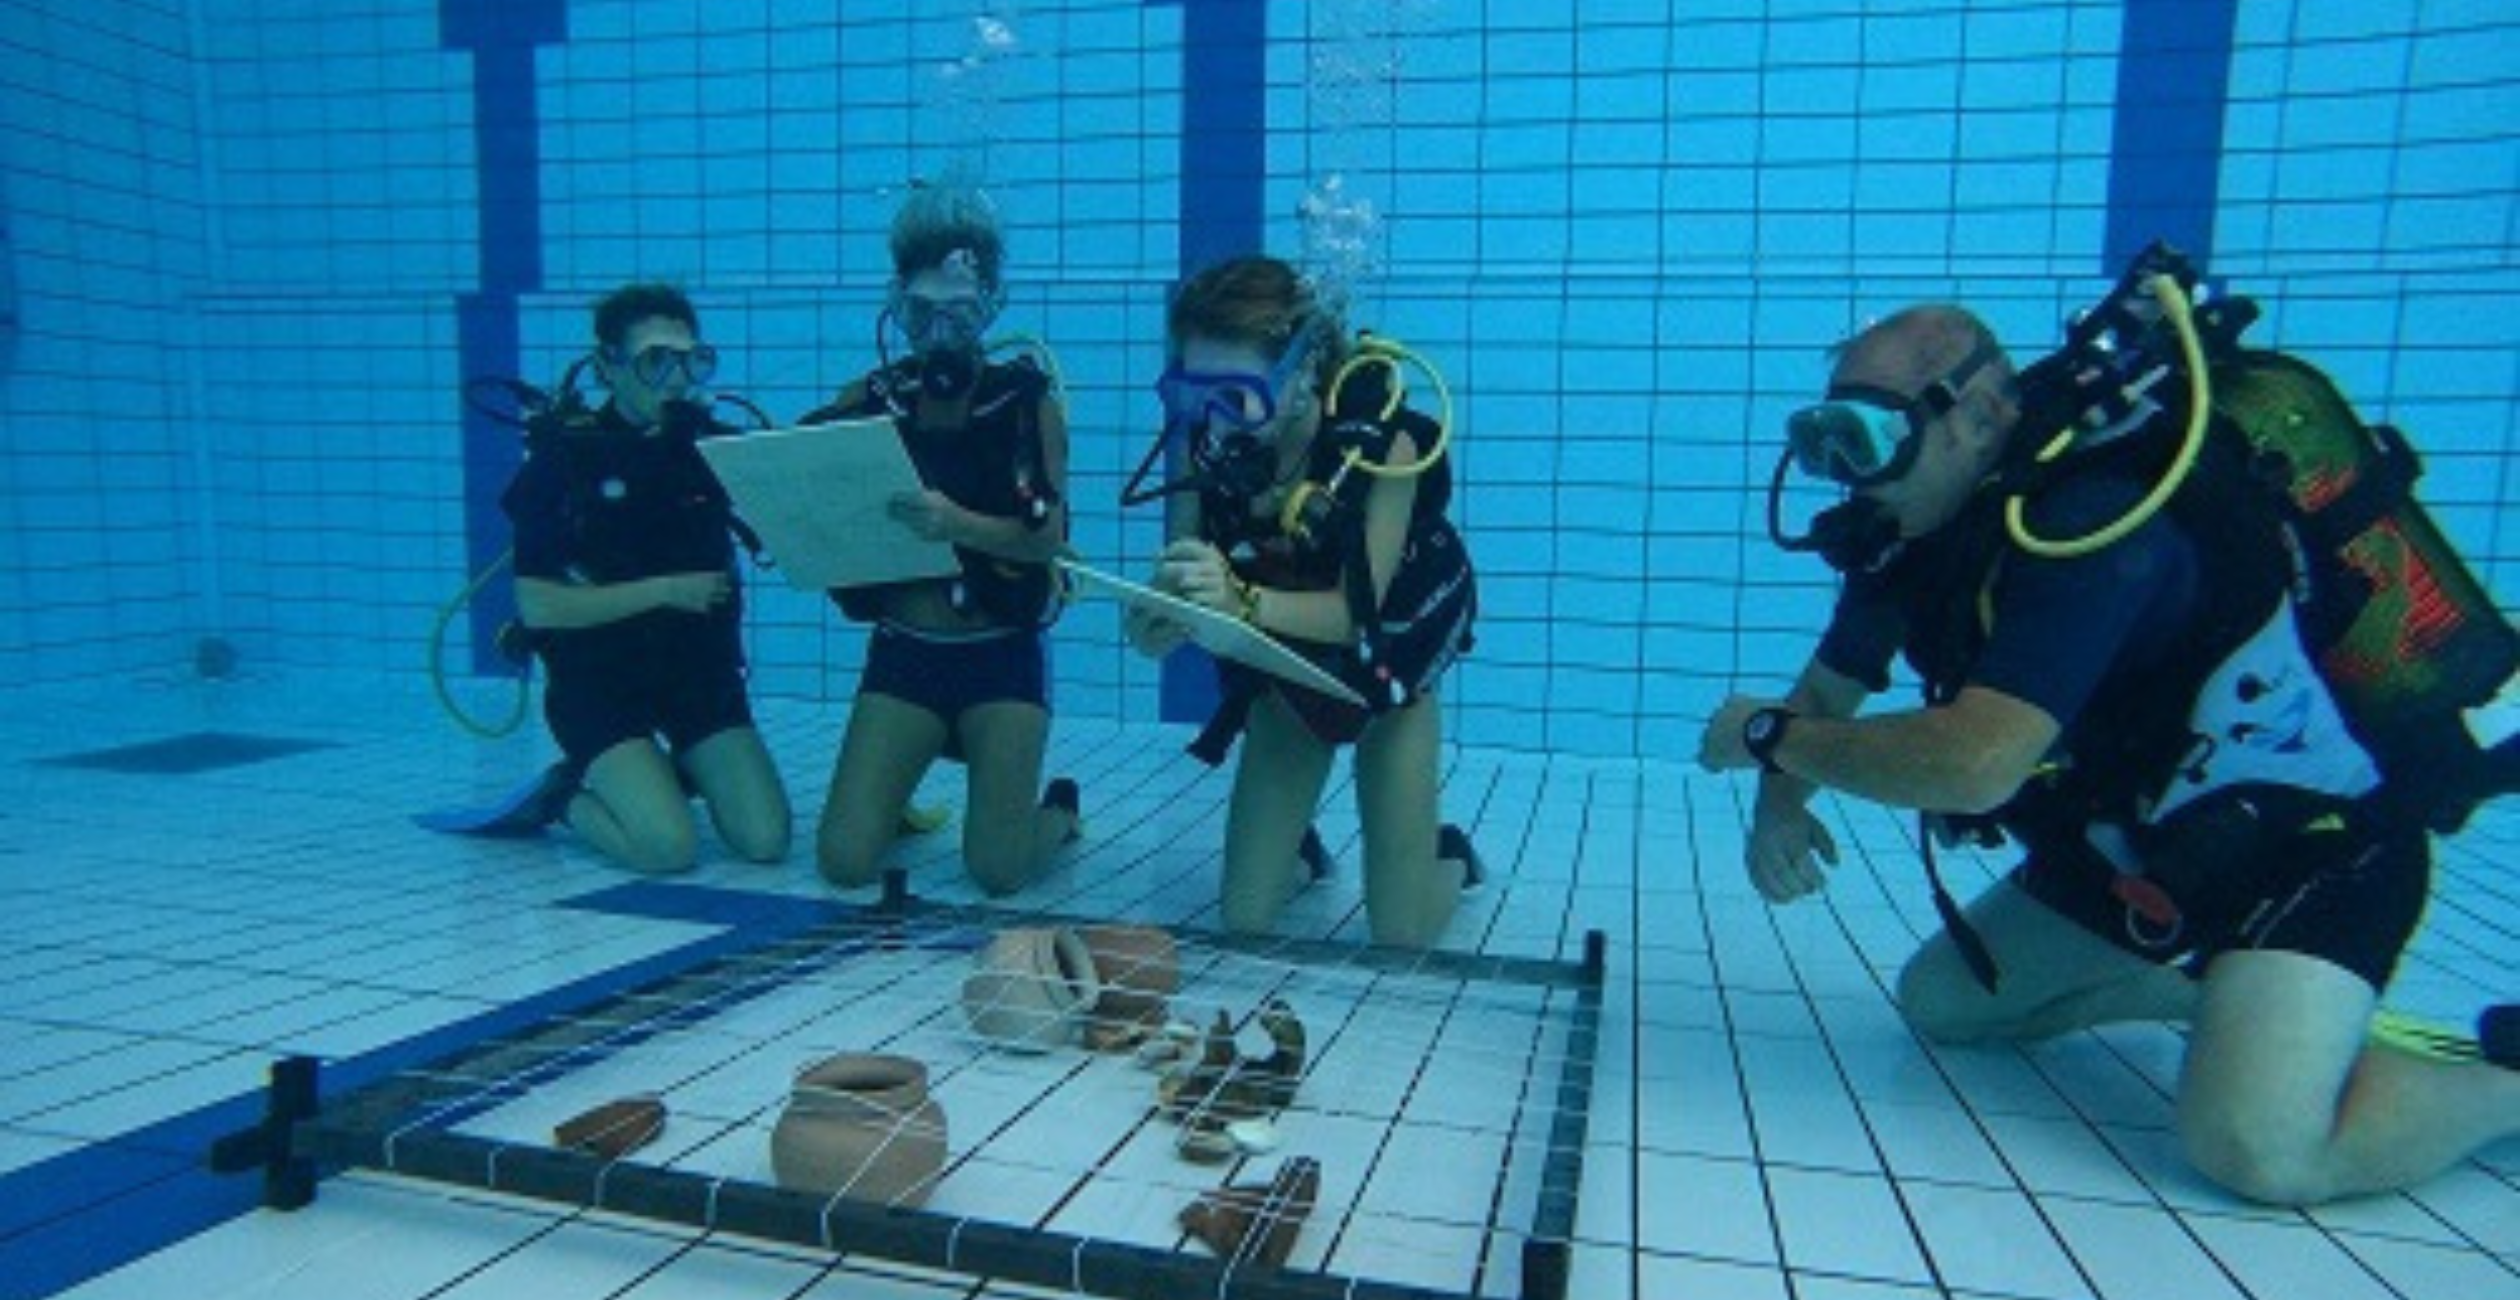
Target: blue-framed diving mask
[(1219, 416), (1860, 436)]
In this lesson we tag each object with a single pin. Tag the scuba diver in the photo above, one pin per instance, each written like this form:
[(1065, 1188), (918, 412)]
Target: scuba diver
[(1314, 511), (2118, 668), (627, 587), (957, 667)]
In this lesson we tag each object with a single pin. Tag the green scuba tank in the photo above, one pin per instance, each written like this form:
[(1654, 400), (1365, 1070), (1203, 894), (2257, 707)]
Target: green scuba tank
[(2416, 636), (2403, 634)]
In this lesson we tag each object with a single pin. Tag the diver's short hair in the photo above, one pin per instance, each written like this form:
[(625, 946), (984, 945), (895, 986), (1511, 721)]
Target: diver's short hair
[(626, 306), (938, 220), (1928, 337)]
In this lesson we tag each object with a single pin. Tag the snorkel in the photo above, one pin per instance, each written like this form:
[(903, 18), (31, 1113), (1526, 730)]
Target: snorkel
[(1216, 417), (1859, 436)]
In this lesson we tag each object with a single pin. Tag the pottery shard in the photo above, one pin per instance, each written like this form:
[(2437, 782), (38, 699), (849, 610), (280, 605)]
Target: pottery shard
[(1223, 1086), (614, 1129), (1030, 988), (1257, 1222), (1139, 967)]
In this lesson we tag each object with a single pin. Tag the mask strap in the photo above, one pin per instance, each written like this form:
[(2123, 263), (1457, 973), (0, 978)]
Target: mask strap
[(1944, 394)]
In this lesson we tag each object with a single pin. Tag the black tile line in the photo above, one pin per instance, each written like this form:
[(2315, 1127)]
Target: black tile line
[(1907, 1210), (1730, 1030), (2253, 1212), (2002, 1156), (1898, 1186), (1355, 1212), (1977, 1120)]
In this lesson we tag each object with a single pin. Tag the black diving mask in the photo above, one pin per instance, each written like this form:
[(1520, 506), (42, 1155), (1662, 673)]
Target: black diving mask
[(942, 324), (658, 364), (944, 335)]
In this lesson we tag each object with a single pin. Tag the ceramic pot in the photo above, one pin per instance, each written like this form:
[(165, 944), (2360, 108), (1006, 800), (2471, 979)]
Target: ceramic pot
[(1140, 967), (1030, 989), (861, 1126)]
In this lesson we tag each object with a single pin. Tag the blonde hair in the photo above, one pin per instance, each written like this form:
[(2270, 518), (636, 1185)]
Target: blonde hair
[(938, 221)]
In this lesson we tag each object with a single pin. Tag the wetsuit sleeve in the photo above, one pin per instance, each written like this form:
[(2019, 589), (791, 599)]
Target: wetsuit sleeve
[(1864, 635), (2062, 627), (534, 506)]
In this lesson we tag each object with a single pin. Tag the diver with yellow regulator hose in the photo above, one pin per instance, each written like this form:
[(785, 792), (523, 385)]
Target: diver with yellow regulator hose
[(2187, 640), (628, 592), (1314, 509)]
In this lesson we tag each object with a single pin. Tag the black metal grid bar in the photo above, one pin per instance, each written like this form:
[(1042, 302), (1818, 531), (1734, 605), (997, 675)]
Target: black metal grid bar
[(380, 1127)]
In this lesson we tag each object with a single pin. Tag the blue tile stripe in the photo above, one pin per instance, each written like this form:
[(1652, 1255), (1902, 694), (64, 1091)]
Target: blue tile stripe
[(507, 159), (2165, 157), (1224, 180), (86, 1212)]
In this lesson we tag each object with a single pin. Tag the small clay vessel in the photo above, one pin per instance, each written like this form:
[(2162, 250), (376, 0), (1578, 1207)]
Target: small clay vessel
[(614, 1129), (1030, 989), (861, 1126), (1139, 967), (1257, 1222)]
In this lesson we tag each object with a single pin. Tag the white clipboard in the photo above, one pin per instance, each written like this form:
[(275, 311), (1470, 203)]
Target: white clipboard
[(1222, 635), (817, 495)]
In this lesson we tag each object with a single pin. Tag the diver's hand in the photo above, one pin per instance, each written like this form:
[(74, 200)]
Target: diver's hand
[(929, 513), (697, 593), (1153, 635), (1787, 845), (1198, 573), (1720, 749)]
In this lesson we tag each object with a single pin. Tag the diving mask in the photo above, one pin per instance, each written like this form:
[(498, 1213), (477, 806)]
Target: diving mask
[(1227, 401), (943, 324), (657, 365), (1219, 417), (1862, 436)]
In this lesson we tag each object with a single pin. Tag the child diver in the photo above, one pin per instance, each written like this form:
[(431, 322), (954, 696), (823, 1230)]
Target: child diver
[(957, 667), (626, 578), (1315, 512)]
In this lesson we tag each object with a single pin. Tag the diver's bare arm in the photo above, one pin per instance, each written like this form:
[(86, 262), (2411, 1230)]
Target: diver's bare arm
[(1968, 756), (1823, 693)]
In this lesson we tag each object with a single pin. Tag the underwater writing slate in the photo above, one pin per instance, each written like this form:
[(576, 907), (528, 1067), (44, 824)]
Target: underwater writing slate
[(1222, 635), (817, 495)]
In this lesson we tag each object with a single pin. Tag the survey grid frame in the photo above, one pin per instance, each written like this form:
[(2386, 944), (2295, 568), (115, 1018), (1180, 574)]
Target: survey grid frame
[(374, 1127)]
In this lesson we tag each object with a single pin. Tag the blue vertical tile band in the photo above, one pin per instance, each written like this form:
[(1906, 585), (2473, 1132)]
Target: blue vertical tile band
[(1224, 180), (2165, 158), (507, 137), (9, 321)]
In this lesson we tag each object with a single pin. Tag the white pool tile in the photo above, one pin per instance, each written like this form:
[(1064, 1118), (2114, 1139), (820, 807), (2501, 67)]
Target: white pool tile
[(1986, 1241), (1758, 1093), (1845, 1224), (1692, 1205)]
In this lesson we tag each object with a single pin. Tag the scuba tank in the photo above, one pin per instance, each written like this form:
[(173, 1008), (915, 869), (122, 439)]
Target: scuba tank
[(2403, 633)]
